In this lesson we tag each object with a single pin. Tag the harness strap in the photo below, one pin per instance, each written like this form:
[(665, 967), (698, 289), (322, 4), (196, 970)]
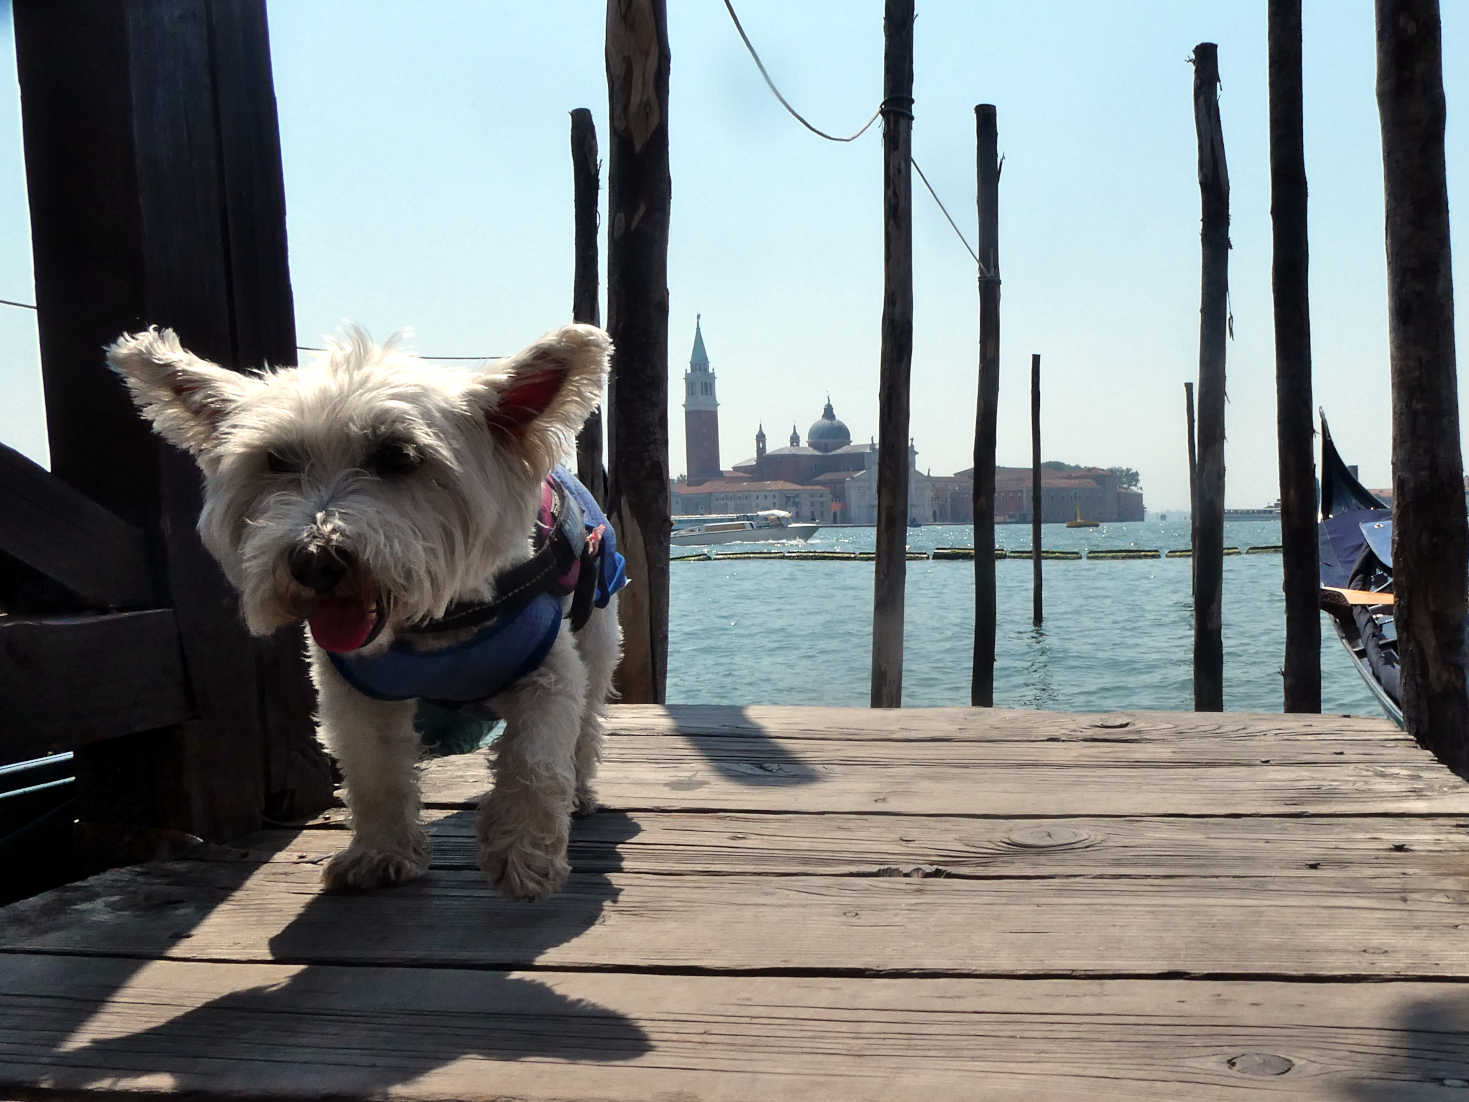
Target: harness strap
[(553, 568), (586, 584)]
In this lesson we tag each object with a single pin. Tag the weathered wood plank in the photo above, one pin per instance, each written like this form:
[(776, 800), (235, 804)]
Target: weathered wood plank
[(639, 197), (732, 843), (732, 774), (1308, 925), (1013, 724), (288, 1031), (70, 681), (69, 538), (895, 356)]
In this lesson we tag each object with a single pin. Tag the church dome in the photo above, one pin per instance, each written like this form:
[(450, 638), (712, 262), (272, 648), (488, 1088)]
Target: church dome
[(828, 434)]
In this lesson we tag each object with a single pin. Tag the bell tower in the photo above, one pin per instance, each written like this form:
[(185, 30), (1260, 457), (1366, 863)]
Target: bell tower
[(700, 414)]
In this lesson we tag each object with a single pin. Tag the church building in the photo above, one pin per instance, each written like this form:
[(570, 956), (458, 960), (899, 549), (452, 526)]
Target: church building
[(828, 479)]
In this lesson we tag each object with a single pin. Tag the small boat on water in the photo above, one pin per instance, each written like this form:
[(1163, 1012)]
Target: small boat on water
[(761, 527), (1355, 546), (1079, 523)]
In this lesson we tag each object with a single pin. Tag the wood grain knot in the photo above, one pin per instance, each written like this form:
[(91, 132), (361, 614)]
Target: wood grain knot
[(1260, 1064), (1051, 836)]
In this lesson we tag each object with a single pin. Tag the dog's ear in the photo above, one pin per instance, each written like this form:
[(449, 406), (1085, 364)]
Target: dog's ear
[(536, 401), (185, 397)]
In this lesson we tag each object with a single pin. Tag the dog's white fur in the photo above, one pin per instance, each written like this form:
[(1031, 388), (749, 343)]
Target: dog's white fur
[(290, 460)]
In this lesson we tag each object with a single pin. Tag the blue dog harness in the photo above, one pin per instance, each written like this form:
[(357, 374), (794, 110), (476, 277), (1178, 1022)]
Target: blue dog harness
[(575, 554)]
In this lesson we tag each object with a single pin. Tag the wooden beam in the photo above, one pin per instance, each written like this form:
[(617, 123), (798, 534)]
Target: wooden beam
[(71, 681), (1295, 433), (1428, 471), (585, 181), (639, 191), (890, 571), (68, 537), (1208, 524), (982, 679)]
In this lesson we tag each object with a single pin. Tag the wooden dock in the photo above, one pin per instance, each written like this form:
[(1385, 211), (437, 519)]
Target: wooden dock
[(803, 903)]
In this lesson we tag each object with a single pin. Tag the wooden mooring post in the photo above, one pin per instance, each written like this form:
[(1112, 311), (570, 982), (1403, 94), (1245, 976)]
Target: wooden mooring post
[(1037, 614), (585, 170), (639, 191), (1193, 480), (890, 571), (1208, 523), (1428, 475), (154, 179), (1293, 411), (987, 169)]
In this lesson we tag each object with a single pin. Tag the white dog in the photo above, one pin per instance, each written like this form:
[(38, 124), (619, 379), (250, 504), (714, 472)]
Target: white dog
[(414, 518)]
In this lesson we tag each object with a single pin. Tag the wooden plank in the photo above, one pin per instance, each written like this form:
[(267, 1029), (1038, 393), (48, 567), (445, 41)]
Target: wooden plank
[(69, 538), (1312, 925), (969, 779), (124, 673), (304, 1032), (1013, 724), (732, 843)]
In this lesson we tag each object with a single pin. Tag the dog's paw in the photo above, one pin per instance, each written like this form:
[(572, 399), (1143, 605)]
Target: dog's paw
[(586, 802), (521, 872), (361, 868)]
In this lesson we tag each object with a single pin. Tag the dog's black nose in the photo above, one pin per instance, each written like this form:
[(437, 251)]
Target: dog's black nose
[(318, 568)]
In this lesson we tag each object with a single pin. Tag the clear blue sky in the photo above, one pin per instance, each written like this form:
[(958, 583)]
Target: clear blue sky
[(428, 185)]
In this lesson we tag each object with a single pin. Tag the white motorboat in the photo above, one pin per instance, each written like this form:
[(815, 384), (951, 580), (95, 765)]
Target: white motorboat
[(766, 525)]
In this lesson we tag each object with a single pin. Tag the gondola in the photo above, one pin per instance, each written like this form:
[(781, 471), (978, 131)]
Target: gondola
[(1355, 543)]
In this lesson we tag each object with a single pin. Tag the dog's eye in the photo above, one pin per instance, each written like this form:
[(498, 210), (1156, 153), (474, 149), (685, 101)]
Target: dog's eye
[(280, 463), (394, 457)]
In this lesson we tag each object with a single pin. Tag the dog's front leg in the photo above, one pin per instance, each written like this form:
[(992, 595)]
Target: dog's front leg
[(377, 748), (524, 823)]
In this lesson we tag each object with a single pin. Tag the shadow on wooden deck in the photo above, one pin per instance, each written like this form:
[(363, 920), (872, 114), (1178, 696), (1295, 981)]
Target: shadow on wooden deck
[(808, 903), (154, 909)]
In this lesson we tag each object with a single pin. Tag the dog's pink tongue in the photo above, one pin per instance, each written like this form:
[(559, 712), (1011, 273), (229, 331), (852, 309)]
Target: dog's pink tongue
[(340, 623)]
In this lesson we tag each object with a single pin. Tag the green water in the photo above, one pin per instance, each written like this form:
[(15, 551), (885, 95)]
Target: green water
[(1117, 635)]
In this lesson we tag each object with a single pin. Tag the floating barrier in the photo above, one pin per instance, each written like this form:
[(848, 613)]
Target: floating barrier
[(1124, 553), (1105, 554)]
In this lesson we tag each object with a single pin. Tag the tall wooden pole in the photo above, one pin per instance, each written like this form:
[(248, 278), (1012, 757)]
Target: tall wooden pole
[(982, 679), (639, 191), (1293, 423), (1193, 482), (1428, 488), (891, 568), (1213, 322), (585, 169), (1035, 487)]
